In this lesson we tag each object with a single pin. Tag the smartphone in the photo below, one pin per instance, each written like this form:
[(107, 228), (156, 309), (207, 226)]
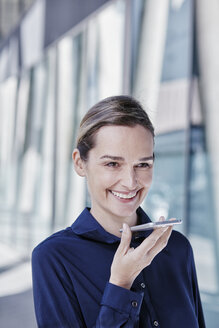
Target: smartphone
[(152, 225)]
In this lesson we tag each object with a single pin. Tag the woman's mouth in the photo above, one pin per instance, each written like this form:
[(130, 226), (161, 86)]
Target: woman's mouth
[(126, 196)]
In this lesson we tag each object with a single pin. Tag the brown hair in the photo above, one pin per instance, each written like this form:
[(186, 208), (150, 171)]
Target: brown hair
[(117, 110)]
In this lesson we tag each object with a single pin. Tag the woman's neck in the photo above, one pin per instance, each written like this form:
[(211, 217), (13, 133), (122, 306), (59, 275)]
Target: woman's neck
[(113, 224)]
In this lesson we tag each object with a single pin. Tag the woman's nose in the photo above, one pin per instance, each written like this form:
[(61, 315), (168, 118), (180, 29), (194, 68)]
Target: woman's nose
[(129, 178)]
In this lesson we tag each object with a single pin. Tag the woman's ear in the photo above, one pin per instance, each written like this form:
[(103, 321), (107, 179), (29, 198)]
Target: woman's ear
[(79, 164)]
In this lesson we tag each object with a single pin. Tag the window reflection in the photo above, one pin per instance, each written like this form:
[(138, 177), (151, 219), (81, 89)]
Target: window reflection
[(34, 136), (8, 94), (70, 196), (201, 214), (105, 52), (44, 188), (30, 148)]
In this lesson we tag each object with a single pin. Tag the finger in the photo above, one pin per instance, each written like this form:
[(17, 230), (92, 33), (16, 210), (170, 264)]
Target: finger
[(125, 239), (162, 218), (131, 250), (160, 245), (150, 241)]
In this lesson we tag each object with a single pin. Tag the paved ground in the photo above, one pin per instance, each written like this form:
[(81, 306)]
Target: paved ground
[(16, 300), (16, 311)]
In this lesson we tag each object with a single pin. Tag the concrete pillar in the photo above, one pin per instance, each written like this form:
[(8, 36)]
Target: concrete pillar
[(208, 49), (150, 57)]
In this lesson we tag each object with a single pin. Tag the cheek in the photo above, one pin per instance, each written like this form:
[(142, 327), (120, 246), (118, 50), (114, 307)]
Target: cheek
[(145, 178), (101, 179), (108, 177)]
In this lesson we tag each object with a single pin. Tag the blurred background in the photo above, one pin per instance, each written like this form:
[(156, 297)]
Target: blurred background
[(58, 58)]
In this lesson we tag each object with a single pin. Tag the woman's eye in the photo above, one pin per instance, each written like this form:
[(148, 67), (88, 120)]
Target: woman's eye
[(112, 164), (144, 165)]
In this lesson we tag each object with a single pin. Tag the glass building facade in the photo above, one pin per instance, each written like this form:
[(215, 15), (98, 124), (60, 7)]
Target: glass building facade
[(10, 13), (58, 64)]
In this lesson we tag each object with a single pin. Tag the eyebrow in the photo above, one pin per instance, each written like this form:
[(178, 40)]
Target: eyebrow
[(119, 158)]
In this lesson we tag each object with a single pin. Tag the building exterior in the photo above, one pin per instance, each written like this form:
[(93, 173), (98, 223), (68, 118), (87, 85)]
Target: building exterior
[(66, 55), (10, 14)]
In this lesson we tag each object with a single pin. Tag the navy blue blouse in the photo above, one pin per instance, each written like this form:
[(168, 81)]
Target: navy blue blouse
[(71, 270)]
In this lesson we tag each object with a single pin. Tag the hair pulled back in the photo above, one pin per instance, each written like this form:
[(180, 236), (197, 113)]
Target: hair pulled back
[(116, 110)]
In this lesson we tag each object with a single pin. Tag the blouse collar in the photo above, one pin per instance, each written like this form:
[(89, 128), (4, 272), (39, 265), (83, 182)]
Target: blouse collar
[(87, 226)]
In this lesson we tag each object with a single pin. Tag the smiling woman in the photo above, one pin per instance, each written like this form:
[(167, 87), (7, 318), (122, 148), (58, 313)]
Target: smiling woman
[(91, 275)]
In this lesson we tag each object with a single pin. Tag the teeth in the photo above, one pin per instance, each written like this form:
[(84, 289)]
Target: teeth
[(123, 195)]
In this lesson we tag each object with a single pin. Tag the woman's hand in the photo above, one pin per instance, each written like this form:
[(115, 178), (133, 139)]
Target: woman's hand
[(129, 262)]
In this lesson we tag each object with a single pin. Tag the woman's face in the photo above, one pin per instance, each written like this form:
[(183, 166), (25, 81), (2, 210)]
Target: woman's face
[(119, 171)]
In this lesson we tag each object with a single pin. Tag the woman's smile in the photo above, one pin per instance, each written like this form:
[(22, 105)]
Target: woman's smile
[(124, 195)]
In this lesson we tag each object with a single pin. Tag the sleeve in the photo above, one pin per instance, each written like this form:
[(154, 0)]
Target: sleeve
[(56, 303), (196, 294), (120, 307)]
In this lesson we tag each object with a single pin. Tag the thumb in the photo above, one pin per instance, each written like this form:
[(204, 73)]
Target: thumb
[(125, 239)]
